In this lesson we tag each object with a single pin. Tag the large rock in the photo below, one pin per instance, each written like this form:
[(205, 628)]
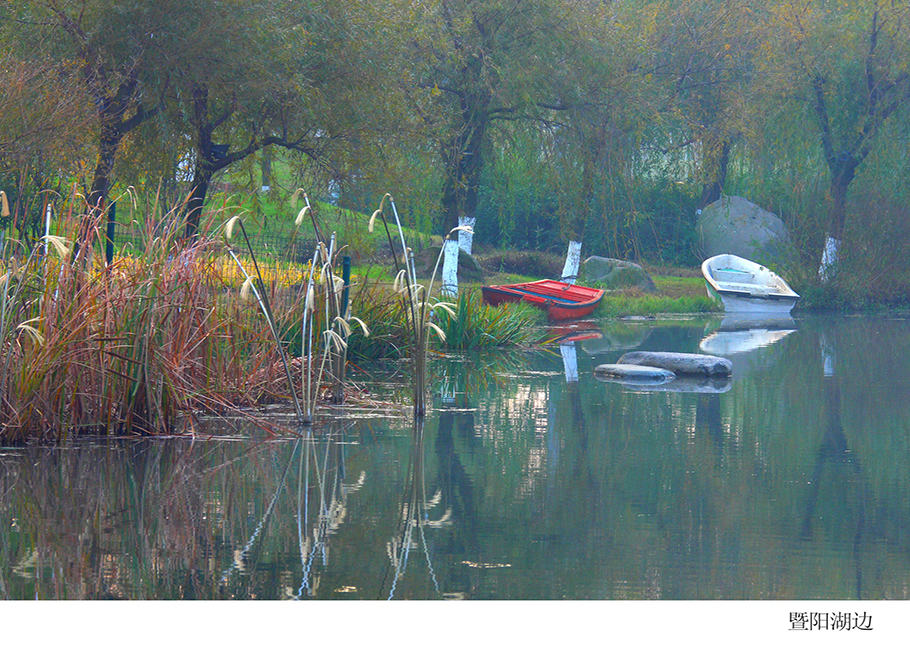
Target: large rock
[(681, 364), (733, 225), (616, 274), (632, 372)]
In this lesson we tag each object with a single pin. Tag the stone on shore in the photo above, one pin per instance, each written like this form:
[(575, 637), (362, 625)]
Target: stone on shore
[(734, 225), (690, 364), (616, 274), (632, 372)]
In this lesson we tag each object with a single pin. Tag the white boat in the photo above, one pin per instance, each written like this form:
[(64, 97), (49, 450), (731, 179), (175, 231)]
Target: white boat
[(745, 286)]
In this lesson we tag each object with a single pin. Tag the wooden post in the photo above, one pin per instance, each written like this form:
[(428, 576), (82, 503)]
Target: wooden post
[(346, 276), (111, 229)]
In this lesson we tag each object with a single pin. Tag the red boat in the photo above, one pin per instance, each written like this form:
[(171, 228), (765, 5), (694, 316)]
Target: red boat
[(562, 301)]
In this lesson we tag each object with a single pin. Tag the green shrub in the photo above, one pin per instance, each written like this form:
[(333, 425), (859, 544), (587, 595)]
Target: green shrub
[(539, 265), (477, 325)]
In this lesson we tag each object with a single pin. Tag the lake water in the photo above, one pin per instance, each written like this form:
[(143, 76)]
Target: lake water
[(789, 481)]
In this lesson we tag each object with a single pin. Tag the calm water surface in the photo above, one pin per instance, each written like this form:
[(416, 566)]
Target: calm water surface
[(789, 481)]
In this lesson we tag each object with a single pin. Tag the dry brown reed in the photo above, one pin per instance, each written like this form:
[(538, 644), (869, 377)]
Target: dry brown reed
[(134, 347)]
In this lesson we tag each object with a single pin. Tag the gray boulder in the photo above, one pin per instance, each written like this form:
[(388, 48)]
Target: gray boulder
[(616, 274), (688, 364), (734, 225), (632, 372)]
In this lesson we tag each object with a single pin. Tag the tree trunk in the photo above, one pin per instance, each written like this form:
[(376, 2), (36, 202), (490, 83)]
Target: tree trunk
[(266, 166), (713, 189), (459, 196), (579, 219), (99, 194), (462, 175), (104, 166), (202, 178), (837, 205), (203, 168), (842, 175)]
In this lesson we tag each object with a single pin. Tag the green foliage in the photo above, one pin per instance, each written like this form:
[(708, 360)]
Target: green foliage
[(628, 304), (538, 265), (384, 314), (477, 325), (656, 223)]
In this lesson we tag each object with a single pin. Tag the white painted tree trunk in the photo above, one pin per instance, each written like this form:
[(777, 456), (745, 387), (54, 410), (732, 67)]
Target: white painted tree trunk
[(569, 361), (829, 258), (573, 263), (450, 268), (466, 239)]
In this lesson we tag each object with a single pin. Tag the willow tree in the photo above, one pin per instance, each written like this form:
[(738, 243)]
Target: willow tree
[(122, 55), (704, 59), (43, 122), (307, 76), (846, 65), (235, 92), (606, 102), (483, 62)]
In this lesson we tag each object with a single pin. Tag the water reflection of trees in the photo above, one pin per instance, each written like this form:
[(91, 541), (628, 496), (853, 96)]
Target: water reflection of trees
[(687, 495), (776, 488), (165, 519), (77, 511)]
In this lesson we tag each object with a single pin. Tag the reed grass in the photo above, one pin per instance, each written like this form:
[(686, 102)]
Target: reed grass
[(325, 292), (138, 346), (420, 309), (476, 325)]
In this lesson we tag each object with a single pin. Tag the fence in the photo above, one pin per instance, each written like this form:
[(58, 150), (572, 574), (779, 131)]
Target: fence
[(266, 242)]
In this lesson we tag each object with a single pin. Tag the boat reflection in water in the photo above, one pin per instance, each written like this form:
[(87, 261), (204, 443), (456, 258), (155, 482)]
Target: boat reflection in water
[(741, 333), (739, 337), (568, 336)]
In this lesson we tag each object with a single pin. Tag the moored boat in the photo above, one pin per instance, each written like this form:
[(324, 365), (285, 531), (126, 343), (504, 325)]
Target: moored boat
[(741, 285), (561, 301)]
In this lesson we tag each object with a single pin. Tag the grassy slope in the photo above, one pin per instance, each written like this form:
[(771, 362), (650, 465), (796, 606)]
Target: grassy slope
[(269, 220)]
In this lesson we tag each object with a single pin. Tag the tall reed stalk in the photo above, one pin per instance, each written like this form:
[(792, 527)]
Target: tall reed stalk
[(420, 309), (263, 300), (326, 289)]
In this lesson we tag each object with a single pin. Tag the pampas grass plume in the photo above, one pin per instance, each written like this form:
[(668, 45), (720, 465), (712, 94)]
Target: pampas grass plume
[(376, 214), (245, 289), (302, 215), (59, 244), (229, 227)]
